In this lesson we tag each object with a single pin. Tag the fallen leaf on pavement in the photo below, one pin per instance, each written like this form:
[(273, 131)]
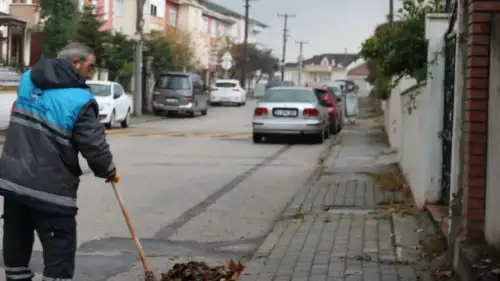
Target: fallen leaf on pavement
[(495, 271), (200, 271), (448, 273)]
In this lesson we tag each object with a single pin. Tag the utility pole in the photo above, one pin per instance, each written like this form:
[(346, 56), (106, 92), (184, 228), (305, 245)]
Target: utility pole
[(138, 59), (391, 13), (301, 58), (245, 45), (285, 36)]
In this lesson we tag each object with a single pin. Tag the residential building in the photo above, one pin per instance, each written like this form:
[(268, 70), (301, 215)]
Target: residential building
[(235, 28), (205, 22), (319, 68)]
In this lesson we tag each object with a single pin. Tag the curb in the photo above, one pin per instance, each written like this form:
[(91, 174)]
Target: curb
[(315, 175), (148, 120), (257, 262)]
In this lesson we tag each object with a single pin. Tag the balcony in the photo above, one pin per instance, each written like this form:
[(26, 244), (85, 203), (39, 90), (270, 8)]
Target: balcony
[(317, 68), (153, 24), (30, 13)]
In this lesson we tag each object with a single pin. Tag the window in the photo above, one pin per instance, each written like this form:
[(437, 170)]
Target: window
[(213, 29), (117, 91), (204, 27), (100, 90), (153, 10), (226, 85), (106, 10), (118, 8), (173, 82), (172, 18), (289, 95)]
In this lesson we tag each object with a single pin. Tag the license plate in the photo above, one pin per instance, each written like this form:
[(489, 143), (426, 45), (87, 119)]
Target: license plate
[(285, 113), (225, 99), (171, 100)]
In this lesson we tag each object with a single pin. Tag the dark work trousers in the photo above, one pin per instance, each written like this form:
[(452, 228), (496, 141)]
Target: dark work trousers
[(57, 235)]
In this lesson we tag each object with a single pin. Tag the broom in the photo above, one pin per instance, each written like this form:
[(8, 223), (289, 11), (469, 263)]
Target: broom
[(149, 276)]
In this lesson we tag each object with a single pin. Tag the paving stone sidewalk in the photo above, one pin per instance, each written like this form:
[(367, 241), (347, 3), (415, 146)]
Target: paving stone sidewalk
[(328, 231)]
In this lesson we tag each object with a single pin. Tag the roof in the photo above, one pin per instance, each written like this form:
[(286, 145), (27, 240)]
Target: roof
[(359, 70), (343, 59), (227, 12), (8, 19)]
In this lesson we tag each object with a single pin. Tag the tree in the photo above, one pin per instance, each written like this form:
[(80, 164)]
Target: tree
[(59, 25), (118, 54), (182, 49), (399, 51), (257, 59), (88, 32), (159, 48)]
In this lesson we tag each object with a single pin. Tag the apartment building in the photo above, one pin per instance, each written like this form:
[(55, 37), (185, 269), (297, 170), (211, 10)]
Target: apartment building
[(204, 21)]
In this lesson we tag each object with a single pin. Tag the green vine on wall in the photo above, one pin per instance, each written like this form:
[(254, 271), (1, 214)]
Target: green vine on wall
[(393, 53)]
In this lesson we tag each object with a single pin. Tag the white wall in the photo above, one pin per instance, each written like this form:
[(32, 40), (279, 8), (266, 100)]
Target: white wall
[(492, 227), (435, 28), (125, 22), (414, 130)]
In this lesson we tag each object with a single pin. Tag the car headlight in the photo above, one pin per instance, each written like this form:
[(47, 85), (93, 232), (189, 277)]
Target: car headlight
[(103, 106)]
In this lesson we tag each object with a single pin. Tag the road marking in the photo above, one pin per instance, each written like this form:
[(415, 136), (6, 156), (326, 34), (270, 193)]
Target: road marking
[(168, 230), (167, 134)]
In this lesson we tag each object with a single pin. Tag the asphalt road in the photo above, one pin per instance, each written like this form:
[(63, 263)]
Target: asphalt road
[(195, 188)]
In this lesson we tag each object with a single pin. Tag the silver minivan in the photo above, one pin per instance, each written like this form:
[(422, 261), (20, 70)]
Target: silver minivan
[(180, 93)]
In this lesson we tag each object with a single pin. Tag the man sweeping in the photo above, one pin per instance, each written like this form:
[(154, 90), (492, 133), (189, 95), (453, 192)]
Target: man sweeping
[(54, 118)]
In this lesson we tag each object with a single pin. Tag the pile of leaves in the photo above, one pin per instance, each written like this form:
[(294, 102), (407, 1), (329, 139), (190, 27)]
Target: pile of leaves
[(200, 271)]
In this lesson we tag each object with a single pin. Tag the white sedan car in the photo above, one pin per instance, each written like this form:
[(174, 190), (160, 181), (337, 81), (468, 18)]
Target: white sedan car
[(115, 106), (227, 91)]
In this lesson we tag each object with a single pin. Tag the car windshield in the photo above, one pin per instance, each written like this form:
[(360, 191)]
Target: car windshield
[(226, 85), (100, 90), (173, 82), (289, 95)]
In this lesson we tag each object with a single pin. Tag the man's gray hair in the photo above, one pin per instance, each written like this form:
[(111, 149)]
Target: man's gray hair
[(75, 51)]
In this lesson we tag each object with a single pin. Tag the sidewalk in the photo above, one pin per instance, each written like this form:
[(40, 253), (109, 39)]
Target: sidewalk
[(337, 228)]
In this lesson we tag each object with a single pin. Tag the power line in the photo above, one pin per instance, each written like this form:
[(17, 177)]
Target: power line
[(301, 58), (286, 16)]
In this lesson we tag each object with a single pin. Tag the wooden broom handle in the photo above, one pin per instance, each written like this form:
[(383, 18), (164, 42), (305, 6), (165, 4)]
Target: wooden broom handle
[(142, 254)]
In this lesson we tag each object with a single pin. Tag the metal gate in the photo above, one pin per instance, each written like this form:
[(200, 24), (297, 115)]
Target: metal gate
[(447, 132)]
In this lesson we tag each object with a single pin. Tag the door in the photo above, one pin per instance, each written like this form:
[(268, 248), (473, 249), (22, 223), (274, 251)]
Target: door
[(120, 101)]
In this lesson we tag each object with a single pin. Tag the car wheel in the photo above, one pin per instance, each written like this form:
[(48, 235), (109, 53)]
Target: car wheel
[(326, 134), (213, 103), (126, 122), (319, 138), (257, 138), (157, 112), (191, 114), (112, 121), (204, 111)]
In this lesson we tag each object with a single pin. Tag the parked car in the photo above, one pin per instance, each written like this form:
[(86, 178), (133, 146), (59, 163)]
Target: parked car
[(279, 83), (336, 88), (290, 110), (115, 106), (180, 93), (227, 91), (332, 103)]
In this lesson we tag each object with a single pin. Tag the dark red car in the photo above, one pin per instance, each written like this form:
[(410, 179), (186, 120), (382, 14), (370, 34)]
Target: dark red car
[(328, 98)]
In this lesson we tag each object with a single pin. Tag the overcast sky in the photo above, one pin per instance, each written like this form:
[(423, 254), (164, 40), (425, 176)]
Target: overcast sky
[(330, 26)]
